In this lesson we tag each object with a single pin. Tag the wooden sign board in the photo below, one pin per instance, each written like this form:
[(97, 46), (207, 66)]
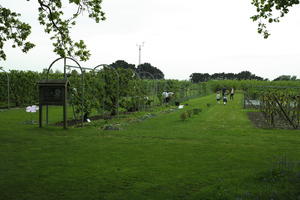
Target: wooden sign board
[(53, 92), (52, 95)]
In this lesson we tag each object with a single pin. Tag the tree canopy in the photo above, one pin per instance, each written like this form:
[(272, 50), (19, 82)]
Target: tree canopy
[(147, 71), (122, 64), (269, 11), (55, 22), (286, 78)]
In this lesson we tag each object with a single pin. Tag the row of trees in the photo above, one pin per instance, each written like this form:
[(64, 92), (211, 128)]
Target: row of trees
[(204, 77), (286, 78), (249, 84)]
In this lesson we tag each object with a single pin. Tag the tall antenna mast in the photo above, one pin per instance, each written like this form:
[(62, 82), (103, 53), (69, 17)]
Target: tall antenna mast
[(140, 52)]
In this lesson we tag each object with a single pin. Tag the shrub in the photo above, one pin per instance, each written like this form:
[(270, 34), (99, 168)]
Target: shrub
[(183, 116), (112, 127), (190, 113), (196, 111)]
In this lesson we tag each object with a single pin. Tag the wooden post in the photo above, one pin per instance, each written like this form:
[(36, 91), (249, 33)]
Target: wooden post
[(8, 97), (41, 115), (65, 108), (284, 113)]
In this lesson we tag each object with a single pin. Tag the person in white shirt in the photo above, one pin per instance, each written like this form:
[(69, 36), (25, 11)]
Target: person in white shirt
[(231, 93), (165, 96), (218, 97)]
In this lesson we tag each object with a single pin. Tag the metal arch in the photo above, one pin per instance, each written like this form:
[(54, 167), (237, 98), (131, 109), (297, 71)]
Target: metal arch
[(164, 84), (153, 80), (144, 72), (152, 76), (52, 65), (118, 84), (65, 65), (160, 75), (135, 73), (101, 65), (65, 77), (8, 92)]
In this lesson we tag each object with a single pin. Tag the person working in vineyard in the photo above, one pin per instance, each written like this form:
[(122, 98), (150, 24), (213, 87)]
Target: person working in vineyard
[(218, 97), (231, 93), (224, 91), (224, 99), (170, 96), (165, 96)]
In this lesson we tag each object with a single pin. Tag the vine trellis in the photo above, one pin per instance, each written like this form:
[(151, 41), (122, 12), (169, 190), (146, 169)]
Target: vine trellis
[(277, 103)]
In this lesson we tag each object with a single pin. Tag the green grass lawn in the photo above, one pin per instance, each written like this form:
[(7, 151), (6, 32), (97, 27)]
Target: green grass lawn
[(217, 154)]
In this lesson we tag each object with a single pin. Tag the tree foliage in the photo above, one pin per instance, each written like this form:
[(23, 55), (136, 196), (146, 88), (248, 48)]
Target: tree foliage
[(285, 78), (122, 64), (11, 28), (55, 22), (269, 11), (199, 77), (147, 71)]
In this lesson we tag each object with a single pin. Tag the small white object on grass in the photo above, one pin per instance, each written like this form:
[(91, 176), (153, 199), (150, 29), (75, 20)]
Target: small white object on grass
[(28, 108), (32, 108), (88, 120), (180, 106)]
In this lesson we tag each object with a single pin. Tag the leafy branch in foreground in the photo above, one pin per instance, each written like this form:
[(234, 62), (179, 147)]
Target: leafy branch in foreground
[(52, 17), (269, 11), (11, 28)]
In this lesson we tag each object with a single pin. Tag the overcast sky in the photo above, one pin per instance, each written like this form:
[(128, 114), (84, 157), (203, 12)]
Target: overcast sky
[(181, 37)]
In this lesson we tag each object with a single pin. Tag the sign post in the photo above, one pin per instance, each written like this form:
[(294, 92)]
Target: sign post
[(53, 92)]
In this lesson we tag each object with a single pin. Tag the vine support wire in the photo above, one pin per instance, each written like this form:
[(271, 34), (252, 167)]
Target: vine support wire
[(161, 77), (141, 73), (275, 100), (134, 73)]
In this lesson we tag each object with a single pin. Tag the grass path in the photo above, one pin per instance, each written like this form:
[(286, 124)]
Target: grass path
[(217, 154)]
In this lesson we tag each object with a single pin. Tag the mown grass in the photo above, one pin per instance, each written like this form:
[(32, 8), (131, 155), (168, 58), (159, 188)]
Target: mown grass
[(217, 154)]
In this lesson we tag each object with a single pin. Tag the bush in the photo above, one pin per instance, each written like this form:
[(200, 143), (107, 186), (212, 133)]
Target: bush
[(184, 116), (196, 111), (112, 127), (190, 113)]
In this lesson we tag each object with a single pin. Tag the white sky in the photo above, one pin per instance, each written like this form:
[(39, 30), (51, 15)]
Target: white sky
[(181, 37)]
